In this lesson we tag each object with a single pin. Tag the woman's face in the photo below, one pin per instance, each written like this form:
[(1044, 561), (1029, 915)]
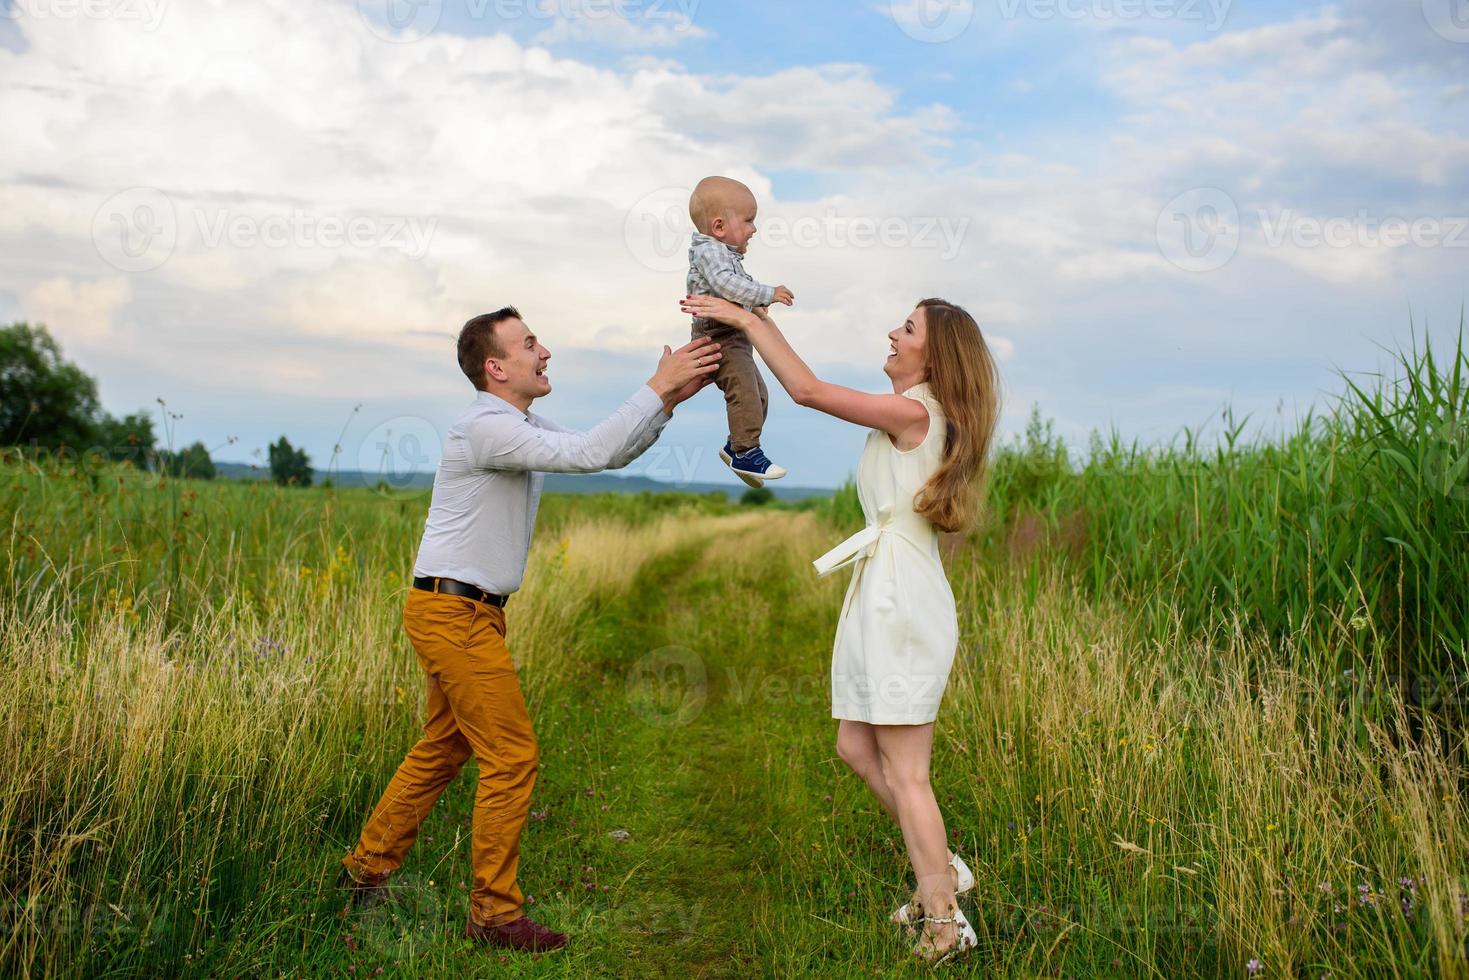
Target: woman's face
[(908, 355)]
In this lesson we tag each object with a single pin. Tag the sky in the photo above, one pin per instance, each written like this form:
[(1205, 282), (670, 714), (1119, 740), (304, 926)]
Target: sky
[(275, 215)]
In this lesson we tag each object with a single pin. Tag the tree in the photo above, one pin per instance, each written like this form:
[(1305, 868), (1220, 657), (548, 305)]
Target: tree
[(192, 463), (129, 439), (758, 496), (289, 466), (44, 399)]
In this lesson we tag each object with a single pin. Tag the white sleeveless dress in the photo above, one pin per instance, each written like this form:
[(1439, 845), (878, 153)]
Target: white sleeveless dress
[(898, 631)]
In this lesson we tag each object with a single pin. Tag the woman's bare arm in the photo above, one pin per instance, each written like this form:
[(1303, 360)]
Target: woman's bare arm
[(905, 419)]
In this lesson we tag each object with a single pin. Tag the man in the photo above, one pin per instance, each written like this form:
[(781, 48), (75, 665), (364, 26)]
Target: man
[(472, 557)]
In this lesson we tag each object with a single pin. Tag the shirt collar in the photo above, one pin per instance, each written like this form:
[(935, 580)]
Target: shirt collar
[(497, 404), (700, 238)]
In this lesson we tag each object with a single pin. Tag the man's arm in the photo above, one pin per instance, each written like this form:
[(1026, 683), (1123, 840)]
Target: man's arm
[(728, 279), (506, 441), (646, 435)]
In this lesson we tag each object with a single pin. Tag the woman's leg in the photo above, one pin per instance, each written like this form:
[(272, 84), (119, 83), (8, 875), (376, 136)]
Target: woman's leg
[(857, 745), (904, 751)]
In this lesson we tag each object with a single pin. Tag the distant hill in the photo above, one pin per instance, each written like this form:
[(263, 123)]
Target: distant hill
[(555, 482)]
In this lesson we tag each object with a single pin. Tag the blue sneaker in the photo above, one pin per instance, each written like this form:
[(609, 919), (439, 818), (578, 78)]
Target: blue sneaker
[(752, 466)]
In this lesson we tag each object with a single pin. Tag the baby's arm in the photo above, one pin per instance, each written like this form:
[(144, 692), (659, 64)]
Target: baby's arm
[(729, 281)]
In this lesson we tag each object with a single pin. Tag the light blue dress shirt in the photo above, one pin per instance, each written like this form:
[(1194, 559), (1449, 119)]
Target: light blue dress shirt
[(488, 484)]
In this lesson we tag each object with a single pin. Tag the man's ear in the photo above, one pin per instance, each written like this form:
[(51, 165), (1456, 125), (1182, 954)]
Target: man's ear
[(494, 370)]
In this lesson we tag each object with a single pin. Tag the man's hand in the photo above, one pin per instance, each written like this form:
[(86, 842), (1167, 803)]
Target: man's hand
[(683, 372), (784, 295), (685, 393)]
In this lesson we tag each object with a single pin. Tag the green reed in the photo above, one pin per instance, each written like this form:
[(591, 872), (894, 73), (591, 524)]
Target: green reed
[(1358, 515)]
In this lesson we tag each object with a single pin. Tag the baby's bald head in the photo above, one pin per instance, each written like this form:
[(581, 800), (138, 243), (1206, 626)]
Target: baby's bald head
[(716, 197)]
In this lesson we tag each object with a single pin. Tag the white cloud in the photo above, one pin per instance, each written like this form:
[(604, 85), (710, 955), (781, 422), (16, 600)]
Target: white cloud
[(524, 164), (530, 168), (76, 311)]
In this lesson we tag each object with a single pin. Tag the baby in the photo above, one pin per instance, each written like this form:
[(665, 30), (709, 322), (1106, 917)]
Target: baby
[(723, 211)]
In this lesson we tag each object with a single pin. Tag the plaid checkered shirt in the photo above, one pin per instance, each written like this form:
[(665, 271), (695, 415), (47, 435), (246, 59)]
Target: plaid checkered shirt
[(717, 269)]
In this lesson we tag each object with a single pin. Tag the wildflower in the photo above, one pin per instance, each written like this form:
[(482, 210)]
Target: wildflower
[(1254, 966)]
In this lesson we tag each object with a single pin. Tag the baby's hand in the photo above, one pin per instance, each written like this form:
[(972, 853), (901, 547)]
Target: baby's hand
[(784, 295)]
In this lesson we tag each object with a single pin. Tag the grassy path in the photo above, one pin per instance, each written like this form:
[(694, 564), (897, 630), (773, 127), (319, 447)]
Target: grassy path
[(657, 737)]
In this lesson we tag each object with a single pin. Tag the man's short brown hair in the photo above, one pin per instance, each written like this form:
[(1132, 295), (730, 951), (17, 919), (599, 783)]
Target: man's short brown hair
[(477, 341)]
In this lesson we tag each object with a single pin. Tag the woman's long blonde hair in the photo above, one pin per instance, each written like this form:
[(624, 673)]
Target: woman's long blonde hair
[(963, 377)]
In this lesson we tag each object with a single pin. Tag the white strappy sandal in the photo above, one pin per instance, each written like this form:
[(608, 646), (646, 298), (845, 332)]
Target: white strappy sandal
[(965, 882), (965, 938)]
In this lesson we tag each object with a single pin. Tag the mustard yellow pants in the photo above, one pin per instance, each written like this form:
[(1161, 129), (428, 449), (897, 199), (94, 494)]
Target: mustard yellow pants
[(475, 708)]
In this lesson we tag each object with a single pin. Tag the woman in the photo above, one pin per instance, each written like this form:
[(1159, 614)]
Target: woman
[(920, 473)]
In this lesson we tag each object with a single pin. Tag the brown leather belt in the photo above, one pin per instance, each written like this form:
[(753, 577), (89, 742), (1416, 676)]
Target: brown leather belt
[(449, 586)]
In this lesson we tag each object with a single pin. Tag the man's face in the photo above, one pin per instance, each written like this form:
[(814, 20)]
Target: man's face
[(523, 368)]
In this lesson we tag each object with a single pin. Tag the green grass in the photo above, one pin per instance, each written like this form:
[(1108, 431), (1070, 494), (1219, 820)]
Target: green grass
[(1360, 512), (1152, 771)]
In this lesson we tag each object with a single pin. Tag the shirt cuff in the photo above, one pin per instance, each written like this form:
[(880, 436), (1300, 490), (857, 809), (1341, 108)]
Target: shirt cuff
[(647, 400)]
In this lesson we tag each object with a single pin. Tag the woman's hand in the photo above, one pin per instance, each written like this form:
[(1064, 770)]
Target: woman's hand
[(718, 310)]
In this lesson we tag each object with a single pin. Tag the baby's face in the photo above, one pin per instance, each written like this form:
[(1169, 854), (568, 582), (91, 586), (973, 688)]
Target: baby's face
[(736, 226)]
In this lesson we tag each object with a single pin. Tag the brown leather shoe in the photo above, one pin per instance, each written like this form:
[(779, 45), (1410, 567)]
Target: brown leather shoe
[(524, 934), (365, 892)]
